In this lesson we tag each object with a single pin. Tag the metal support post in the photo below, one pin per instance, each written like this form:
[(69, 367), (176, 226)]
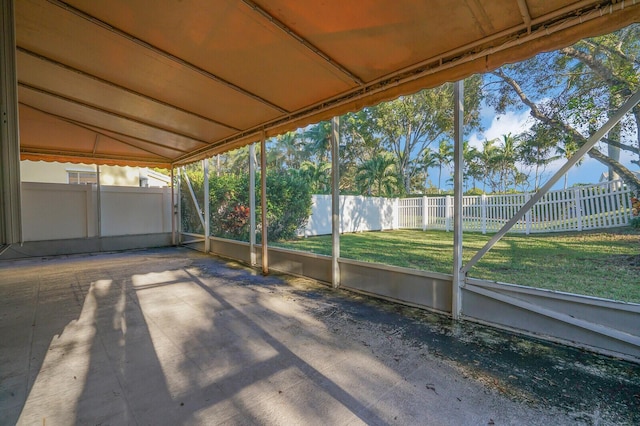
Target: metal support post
[(206, 202), (458, 275), (173, 208), (335, 201), (179, 207), (98, 201), (263, 202), (594, 139), (10, 204), (252, 203)]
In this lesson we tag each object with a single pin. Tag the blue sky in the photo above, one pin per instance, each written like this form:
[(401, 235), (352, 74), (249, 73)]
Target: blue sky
[(516, 122)]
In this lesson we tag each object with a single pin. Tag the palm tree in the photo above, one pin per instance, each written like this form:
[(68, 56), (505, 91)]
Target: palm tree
[(443, 156), (487, 160), (470, 155), (428, 160), (286, 152), (536, 149), (570, 147), (318, 138), (507, 160), (378, 176), (235, 161), (318, 176)]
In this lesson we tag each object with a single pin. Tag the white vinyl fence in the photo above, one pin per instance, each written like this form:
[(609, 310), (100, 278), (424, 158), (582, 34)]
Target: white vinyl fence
[(586, 207), (53, 211), (357, 214)]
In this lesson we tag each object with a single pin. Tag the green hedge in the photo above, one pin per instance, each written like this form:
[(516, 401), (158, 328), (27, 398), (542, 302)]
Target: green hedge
[(288, 204)]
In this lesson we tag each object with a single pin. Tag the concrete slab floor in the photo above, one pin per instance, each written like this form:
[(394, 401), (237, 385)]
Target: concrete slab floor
[(172, 336)]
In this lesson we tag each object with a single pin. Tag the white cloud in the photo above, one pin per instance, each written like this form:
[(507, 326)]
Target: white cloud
[(515, 122), (512, 122)]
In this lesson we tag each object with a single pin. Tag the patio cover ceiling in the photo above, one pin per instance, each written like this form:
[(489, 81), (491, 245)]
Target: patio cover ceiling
[(165, 82)]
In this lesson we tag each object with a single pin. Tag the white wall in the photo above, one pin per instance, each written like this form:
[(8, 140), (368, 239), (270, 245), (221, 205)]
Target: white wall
[(42, 171), (357, 214), (121, 176), (53, 211), (128, 210), (53, 172)]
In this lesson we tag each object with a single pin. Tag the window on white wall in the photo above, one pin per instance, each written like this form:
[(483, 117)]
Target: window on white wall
[(82, 178)]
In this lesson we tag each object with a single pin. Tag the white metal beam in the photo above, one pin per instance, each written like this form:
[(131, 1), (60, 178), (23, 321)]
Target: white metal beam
[(335, 201), (252, 203), (263, 202), (179, 207), (207, 207), (98, 201), (458, 159), (173, 208)]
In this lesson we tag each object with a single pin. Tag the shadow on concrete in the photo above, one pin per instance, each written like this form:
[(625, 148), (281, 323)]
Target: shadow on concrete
[(592, 388), (90, 347), (171, 336), (111, 356)]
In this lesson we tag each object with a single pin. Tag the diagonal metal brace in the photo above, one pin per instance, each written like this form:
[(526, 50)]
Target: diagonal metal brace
[(195, 200), (594, 139)]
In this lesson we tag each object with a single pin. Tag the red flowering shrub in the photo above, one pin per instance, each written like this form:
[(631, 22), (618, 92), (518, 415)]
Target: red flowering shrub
[(235, 220)]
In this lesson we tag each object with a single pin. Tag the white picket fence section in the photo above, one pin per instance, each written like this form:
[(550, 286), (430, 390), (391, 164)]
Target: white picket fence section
[(597, 206)]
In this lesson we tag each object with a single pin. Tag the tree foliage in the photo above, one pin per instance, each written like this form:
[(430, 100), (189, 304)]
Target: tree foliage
[(574, 91), (377, 176), (411, 125), (288, 203)]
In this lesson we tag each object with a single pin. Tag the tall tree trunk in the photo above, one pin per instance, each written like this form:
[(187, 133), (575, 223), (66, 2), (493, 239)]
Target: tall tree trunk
[(614, 134), (406, 178), (626, 175)]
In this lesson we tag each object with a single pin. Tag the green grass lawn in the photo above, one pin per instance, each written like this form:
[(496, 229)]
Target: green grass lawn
[(603, 264)]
